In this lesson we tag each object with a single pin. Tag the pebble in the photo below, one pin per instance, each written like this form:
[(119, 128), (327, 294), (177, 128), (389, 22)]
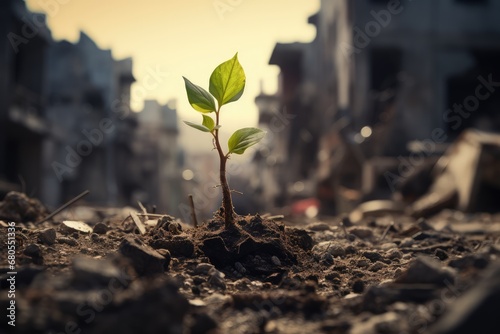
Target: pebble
[(33, 250), (426, 270), (318, 227), (95, 238), (377, 266), (362, 263), (216, 278), (101, 228), (406, 242), (203, 268), (372, 256), (146, 261), (68, 241), (358, 286), (441, 254), (337, 250), (394, 254), (240, 268), (362, 232), (47, 236), (275, 261)]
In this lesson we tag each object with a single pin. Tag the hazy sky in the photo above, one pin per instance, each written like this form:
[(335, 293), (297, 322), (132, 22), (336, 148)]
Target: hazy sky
[(187, 38)]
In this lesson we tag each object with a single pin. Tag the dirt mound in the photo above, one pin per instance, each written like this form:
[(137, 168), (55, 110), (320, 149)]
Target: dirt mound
[(259, 246), (18, 207)]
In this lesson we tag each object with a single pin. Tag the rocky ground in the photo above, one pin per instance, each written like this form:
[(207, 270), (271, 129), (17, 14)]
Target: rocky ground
[(111, 274)]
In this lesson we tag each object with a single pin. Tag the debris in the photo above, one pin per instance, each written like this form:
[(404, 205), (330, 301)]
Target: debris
[(477, 310), (275, 260), (100, 228), (138, 223), (216, 278), (468, 176), (362, 232), (145, 260), (47, 236), (203, 268), (18, 207), (33, 250), (426, 270), (372, 256), (67, 240), (69, 226)]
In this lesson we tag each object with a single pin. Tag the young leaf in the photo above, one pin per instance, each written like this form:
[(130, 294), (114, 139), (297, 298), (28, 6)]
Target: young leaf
[(200, 99), (198, 126), (244, 138), (208, 122), (227, 81)]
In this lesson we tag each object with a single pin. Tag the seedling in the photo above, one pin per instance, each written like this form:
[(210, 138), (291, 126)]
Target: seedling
[(227, 84)]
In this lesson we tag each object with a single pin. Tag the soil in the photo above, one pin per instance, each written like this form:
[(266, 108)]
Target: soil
[(390, 274)]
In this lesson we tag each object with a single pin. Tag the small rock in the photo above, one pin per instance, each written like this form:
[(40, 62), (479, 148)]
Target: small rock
[(197, 280), (203, 268), (275, 261), (47, 236), (318, 227), (177, 246), (406, 242), (426, 270), (394, 254), (377, 266), (388, 245), (441, 254), (146, 261), (372, 256), (95, 238), (362, 232), (68, 241), (358, 286), (337, 250), (101, 228), (240, 268), (33, 251), (216, 278), (362, 263), (70, 226)]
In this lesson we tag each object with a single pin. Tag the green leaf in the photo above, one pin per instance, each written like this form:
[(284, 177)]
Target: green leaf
[(200, 99), (208, 122), (227, 81), (198, 126), (244, 138)]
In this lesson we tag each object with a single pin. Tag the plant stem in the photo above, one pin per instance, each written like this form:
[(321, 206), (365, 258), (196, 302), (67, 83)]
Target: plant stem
[(227, 201)]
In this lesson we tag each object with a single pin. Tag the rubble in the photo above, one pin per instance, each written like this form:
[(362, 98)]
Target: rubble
[(145, 260)]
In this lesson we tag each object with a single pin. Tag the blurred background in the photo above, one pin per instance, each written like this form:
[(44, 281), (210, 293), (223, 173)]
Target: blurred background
[(369, 105)]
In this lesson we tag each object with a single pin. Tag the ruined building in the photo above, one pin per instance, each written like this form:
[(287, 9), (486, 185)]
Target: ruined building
[(379, 79)]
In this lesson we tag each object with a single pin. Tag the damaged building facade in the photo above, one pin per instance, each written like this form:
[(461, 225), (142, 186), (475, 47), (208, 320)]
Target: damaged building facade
[(66, 123), (382, 82)]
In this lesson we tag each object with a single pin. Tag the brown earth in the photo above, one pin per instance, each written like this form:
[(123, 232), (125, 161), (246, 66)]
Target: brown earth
[(389, 274)]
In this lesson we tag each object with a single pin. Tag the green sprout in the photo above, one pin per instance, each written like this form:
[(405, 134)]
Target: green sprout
[(227, 84)]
